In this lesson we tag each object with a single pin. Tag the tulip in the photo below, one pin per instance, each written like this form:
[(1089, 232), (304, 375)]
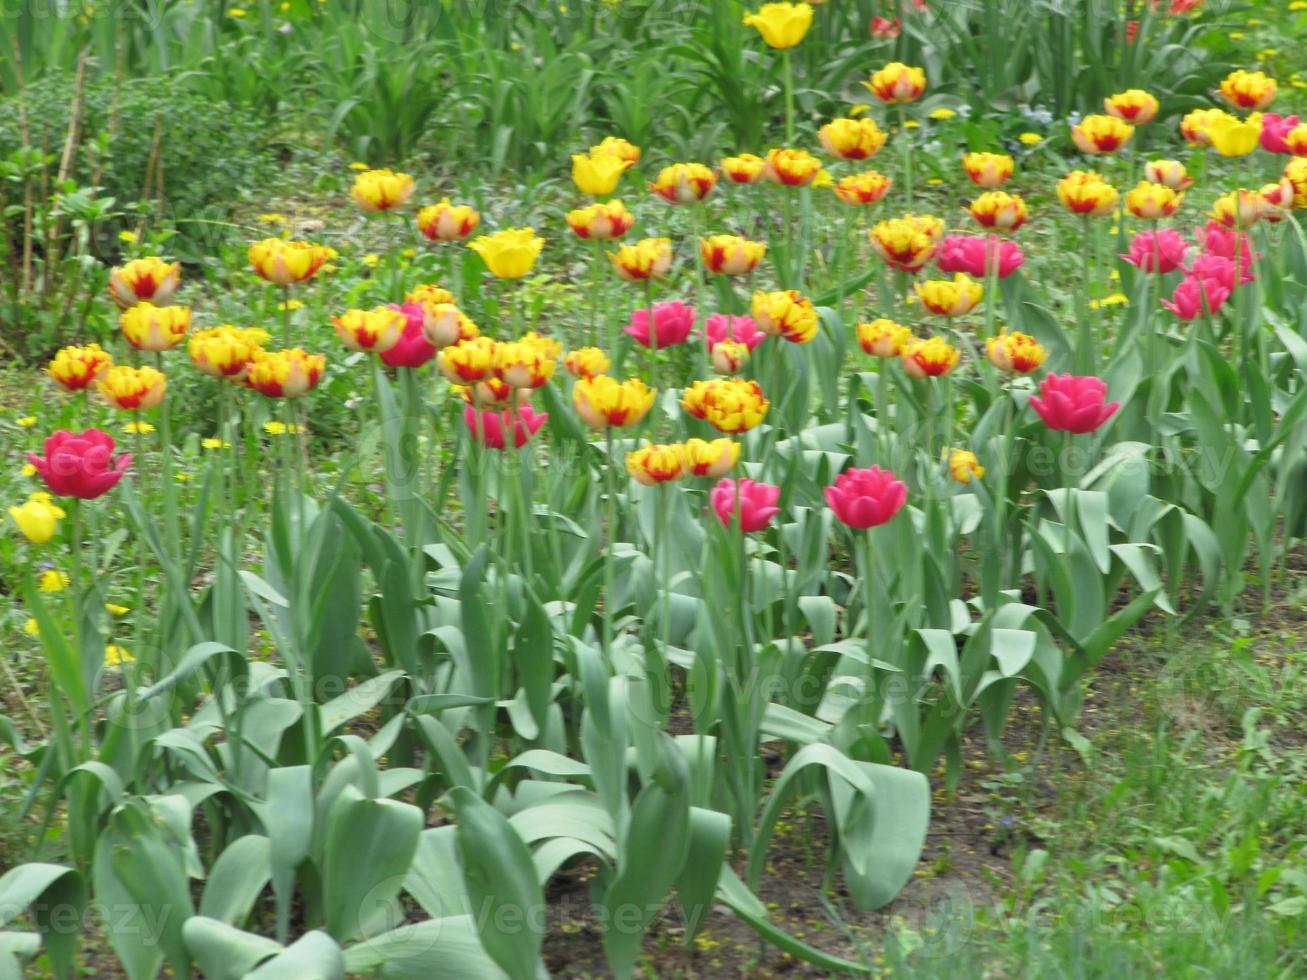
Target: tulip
[(999, 210), (903, 243), (492, 429), (1248, 89), (730, 405), (1073, 403), (523, 364), (883, 338), (1276, 199), (897, 84), (38, 518), (864, 498), (712, 458), (1101, 134), (587, 362), (509, 254), (987, 170), (728, 356), (649, 258), (684, 183), (786, 313), (1274, 129), (672, 323), (651, 465), (1195, 296), (1134, 106), (75, 368), (601, 222), (492, 395), (1223, 241), (1295, 140), (446, 222), (884, 29), (757, 503), (1233, 137), (1171, 173), (376, 330), (603, 401), (286, 373), (963, 466), (412, 350), (132, 389), (970, 254), (285, 263), (741, 329), (1152, 202), (1162, 251), (731, 255), (950, 298), (1295, 172), (444, 325), (1220, 270), (615, 146), (225, 352), (744, 169), (154, 328), (381, 190), (425, 293), (1194, 126), (782, 25), (79, 464), (852, 139), (791, 168), (1085, 193), (468, 361), (149, 279), (1016, 353), (1238, 209), (115, 656), (597, 174), (863, 188), (931, 358)]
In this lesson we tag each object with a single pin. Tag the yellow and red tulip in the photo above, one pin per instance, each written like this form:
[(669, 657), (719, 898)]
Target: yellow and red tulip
[(852, 139), (864, 188), (897, 83), (883, 338), (730, 405), (75, 368), (288, 373), (1097, 135), (987, 170), (601, 222), (1152, 202), (603, 401), (446, 222), (285, 262), (929, 358), (649, 258), (1017, 353), (587, 362), (786, 313), (1168, 172), (655, 463), (524, 363), (999, 210), (154, 328), (684, 183), (713, 458), (950, 297), (746, 168), (132, 388), (381, 190), (1134, 106), (226, 352), (148, 279), (1086, 193), (375, 330), (468, 361), (1248, 89), (731, 255)]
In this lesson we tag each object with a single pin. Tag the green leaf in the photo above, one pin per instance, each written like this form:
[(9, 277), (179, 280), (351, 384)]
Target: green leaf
[(438, 949), (241, 872), (223, 952)]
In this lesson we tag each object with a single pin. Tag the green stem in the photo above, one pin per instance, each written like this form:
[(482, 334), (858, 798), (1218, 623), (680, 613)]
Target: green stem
[(610, 523), (788, 69)]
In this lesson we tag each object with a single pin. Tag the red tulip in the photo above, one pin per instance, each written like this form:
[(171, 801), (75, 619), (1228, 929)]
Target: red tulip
[(757, 503), (884, 29), (866, 498), (741, 329), (1274, 127), (969, 253), (412, 350), (491, 430), (1163, 251), (80, 465), (672, 323), (1073, 403), (1194, 295)]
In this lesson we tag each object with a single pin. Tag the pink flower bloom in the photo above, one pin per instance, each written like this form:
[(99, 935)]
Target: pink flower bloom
[(1219, 269), (1273, 129), (741, 329), (1193, 295), (80, 465), (1219, 240), (969, 253), (412, 349), (492, 429), (757, 503), (884, 29), (1073, 403), (866, 498), (672, 321), (1151, 252)]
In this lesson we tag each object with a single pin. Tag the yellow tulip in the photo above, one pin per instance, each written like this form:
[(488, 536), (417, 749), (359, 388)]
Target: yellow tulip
[(509, 254), (597, 174), (1234, 137), (38, 518), (782, 25)]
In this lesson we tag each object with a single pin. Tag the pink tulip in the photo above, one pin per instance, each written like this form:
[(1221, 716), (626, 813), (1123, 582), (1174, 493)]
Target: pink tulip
[(1274, 128), (866, 498), (1073, 403), (1220, 269), (1163, 251), (741, 329), (1219, 240), (672, 323), (412, 349), (492, 428), (1195, 295), (969, 253), (80, 464), (757, 504)]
